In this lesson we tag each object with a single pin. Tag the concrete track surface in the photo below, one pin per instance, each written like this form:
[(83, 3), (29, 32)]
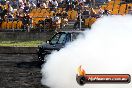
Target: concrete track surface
[(20, 71)]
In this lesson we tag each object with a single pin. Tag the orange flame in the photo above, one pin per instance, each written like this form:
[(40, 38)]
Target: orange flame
[(81, 72)]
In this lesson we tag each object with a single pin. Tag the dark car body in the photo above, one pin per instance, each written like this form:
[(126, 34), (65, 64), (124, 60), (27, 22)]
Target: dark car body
[(58, 41)]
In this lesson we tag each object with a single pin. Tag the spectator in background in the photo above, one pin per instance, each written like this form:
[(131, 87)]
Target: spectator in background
[(64, 19), (102, 1), (59, 13), (1, 20), (64, 14), (4, 12), (48, 22), (3, 2), (106, 12), (33, 4), (9, 17), (79, 7), (1, 9), (26, 8), (88, 3), (15, 15), (54, 4), (47, 3), (56, 22), (70, 4), (93, 13), (86, 13), (130, 10), (54, 17), (100, 12), (60, 3), (38, 3), (25, 21), (82, 1), (21, 7), (14, 4), (43, 5)]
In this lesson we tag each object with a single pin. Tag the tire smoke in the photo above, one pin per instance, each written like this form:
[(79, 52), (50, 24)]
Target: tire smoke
[(105, 49)]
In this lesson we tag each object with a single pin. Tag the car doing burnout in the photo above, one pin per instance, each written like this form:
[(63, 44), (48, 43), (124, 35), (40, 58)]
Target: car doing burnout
[(58, 41)]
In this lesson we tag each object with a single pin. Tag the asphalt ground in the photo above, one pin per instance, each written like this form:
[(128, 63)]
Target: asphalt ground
[(20, 71)]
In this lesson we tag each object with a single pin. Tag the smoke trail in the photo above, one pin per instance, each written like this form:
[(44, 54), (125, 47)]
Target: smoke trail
[(106, 49)]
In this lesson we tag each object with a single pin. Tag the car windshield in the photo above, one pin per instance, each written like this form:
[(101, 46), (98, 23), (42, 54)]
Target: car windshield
[(58, 38)]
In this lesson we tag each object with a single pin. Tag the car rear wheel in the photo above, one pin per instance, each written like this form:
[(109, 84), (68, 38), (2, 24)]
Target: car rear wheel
[(42, 57)]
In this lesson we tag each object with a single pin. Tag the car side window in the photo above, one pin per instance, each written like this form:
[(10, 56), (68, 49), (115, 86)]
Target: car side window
[(62, 38), (68, 37), (55, 39)]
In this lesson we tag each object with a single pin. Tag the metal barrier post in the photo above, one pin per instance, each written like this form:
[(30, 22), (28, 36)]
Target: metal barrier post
[(80, 21)]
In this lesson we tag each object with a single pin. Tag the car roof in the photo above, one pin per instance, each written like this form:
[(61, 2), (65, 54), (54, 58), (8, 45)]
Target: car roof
[(71, 31)]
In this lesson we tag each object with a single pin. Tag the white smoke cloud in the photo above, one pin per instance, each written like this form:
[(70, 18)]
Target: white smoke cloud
[(107, 48)]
